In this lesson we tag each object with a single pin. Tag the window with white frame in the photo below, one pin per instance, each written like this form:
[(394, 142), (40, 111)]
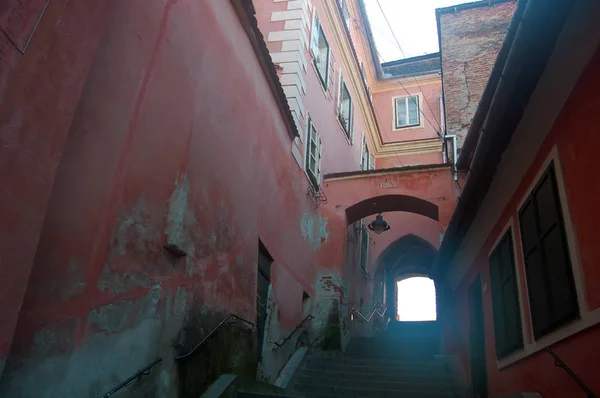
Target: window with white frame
[(407, 112), (550, 282), (505, 297), (367, 161), (313, 154), (345, 109), (319, 47)]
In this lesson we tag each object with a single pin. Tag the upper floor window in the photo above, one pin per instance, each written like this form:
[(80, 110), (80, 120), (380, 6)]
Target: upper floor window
[(550, 283), (505, 298), (407, 111), (313, 154), (319, 47), (345, 109), (367, 161)]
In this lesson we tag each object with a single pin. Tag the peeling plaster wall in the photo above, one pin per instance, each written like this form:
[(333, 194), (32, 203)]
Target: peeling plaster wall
[(155, 147), (470, 40)]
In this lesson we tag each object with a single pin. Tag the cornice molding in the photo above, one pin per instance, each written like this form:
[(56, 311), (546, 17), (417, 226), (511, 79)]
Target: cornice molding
[(391, 84), (414, 147)]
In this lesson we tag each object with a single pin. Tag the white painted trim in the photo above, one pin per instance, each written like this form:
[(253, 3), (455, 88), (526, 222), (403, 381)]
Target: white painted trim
[(509, 225), (576, 45), (588, 320), (421, 118), (571, 235)]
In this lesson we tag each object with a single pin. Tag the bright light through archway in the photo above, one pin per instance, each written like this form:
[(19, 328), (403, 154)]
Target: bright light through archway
[(416, 299)]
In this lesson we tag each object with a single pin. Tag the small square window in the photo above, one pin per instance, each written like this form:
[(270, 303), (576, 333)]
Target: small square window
[(407, 111)]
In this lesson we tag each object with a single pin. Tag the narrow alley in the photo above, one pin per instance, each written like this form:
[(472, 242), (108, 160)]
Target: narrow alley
[(290, 198)]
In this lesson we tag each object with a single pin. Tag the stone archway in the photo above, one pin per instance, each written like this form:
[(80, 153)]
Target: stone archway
[(408, 256)]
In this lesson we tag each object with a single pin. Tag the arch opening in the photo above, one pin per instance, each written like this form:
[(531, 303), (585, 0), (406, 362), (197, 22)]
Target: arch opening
[(388, 203), (415, 299)]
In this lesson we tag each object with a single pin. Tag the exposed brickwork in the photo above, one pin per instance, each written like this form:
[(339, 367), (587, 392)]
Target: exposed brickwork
[(470, 41)]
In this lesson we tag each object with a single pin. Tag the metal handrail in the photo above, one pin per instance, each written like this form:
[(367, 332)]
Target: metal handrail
[(212, 333), (357, 312), (279, 345), (560, 363), (142, 372)]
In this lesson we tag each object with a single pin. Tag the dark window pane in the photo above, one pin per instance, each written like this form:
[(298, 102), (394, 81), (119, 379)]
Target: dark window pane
[(547, 205), (563, 298), (528, 227), (537, 292)]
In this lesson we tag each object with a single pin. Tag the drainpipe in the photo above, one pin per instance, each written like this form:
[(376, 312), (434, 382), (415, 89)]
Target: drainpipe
[(454, 154), (448, 248), (443, 131)]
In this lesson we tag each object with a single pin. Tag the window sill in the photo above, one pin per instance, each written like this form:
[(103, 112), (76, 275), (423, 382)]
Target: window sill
[(417, 126), (344, 131), (586, 321)]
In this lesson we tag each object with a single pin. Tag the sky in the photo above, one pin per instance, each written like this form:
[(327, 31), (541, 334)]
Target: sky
[(413, 22), (416, 299)]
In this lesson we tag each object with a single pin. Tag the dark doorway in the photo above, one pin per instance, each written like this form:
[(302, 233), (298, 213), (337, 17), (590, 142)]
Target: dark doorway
[(263, 278), (477, 341)]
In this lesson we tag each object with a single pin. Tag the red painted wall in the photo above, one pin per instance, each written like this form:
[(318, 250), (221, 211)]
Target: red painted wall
[(37, 104), (575, 135), (141, 130)]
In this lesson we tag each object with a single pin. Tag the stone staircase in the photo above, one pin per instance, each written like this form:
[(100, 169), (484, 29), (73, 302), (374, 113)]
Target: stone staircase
[(399, 363)]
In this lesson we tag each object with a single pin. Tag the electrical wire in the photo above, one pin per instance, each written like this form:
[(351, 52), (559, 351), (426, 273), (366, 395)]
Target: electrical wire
[(434, 126), (404, 55)]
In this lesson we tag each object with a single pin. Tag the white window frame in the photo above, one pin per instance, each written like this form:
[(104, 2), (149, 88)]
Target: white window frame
[(366, 162), (349, 131), (317, 32), (314, 176), (588, 318), (395, 100)]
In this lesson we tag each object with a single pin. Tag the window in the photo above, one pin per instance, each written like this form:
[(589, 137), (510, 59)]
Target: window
[(552, 294), (364, 247), (345, 109), (505, 298), (407, 111), (313, 154), (319, 48), (367, 161)]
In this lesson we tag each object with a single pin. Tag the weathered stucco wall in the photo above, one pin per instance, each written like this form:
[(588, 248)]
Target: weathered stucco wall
[(140, 134), (435, 186), (470, 40)]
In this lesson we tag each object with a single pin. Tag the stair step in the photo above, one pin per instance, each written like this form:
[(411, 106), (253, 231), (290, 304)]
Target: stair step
[(412, 376), (349, 369), (303, 381), (382, 362), (250, 394), (345, 391)]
